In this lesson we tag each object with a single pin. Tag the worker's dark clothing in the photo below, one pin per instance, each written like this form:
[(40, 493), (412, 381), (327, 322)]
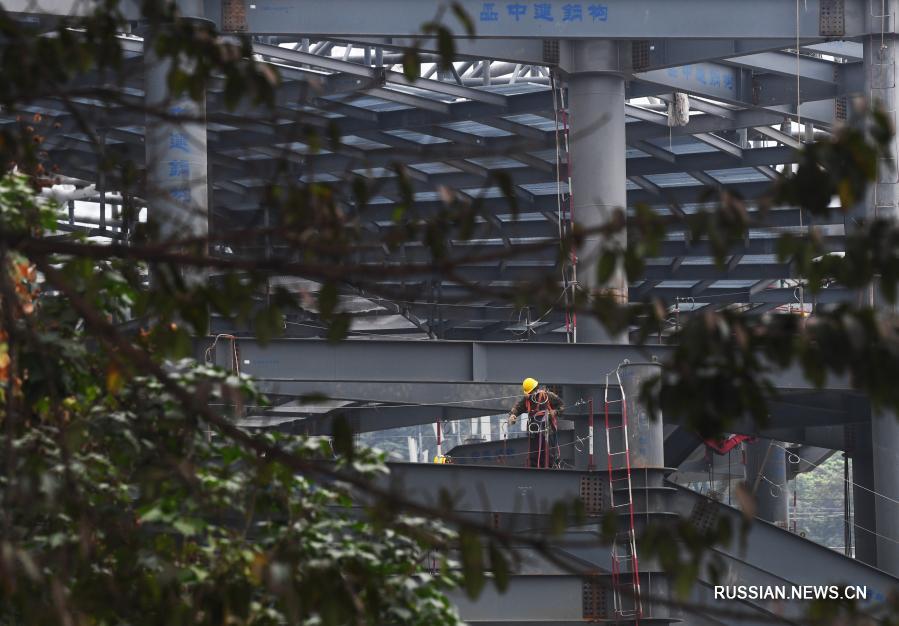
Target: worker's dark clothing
[(543, 408)]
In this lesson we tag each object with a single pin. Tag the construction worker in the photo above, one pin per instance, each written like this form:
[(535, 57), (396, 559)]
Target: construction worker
[(543, 408)]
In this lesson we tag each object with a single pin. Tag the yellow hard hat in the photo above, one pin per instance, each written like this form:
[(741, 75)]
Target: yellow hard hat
[(529, 384)]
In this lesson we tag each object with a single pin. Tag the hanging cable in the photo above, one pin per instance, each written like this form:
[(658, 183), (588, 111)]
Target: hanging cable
[(569, 162), (559, 195), (791, 455)]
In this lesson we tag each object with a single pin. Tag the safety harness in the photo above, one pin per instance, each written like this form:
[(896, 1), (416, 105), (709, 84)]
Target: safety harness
[(538, 408)]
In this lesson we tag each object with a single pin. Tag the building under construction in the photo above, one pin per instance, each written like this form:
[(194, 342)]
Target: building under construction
[(584, 107)]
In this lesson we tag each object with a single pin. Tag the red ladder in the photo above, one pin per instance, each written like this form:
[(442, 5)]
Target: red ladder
[(625, 584)]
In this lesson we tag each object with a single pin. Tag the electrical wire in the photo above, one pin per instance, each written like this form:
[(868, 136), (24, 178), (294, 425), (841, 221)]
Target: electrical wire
[(577, 441), (798, 459)]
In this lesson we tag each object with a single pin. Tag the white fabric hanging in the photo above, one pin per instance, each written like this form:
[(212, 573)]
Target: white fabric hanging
[(679, 110)]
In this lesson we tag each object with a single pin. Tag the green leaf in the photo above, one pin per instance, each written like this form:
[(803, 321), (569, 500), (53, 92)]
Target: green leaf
[(558, 518), (499, 565), (342, 437), (446, 48), (411, 64), (606, 267), (472, 563), (327, 300), (339, 327), (463, 16)]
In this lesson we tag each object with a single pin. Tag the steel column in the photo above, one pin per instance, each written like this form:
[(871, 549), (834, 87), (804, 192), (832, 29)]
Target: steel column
[(598, 166), (176, 154), (885, 444), (880, 89), (646, 439), (863, 505), (883, 202), (766, 473)]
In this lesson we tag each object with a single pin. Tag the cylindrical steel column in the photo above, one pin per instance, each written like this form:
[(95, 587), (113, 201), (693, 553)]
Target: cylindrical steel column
[(863, 505), (875, 464), (766, 474), (597, 161), (176, 156), (885, 453), (880, 90), (645, 436)]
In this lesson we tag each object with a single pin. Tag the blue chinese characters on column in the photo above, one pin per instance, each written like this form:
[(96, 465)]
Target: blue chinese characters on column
[(599, 12), (489, 13), (542, 12), (179, 169), (517, 11), (572, 13), (178, 141)]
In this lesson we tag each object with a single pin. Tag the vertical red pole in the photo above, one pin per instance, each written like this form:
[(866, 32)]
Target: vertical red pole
[(529, 443), (546, 450)]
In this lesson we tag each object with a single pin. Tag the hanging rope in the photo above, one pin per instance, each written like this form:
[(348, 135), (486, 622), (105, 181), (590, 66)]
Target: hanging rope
[(235, 352)]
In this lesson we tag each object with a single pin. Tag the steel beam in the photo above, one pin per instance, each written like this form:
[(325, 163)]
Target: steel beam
[(287, 361), (479, 489), (553, 599), (371, 418), (378, 74), (676, 52), (753, 558), (649, 19), (487, 398), (791, 417), (527, 51), (758, 557)]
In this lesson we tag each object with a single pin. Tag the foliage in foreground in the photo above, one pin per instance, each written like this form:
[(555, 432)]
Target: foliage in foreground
[(119, 505), (116, 504)]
